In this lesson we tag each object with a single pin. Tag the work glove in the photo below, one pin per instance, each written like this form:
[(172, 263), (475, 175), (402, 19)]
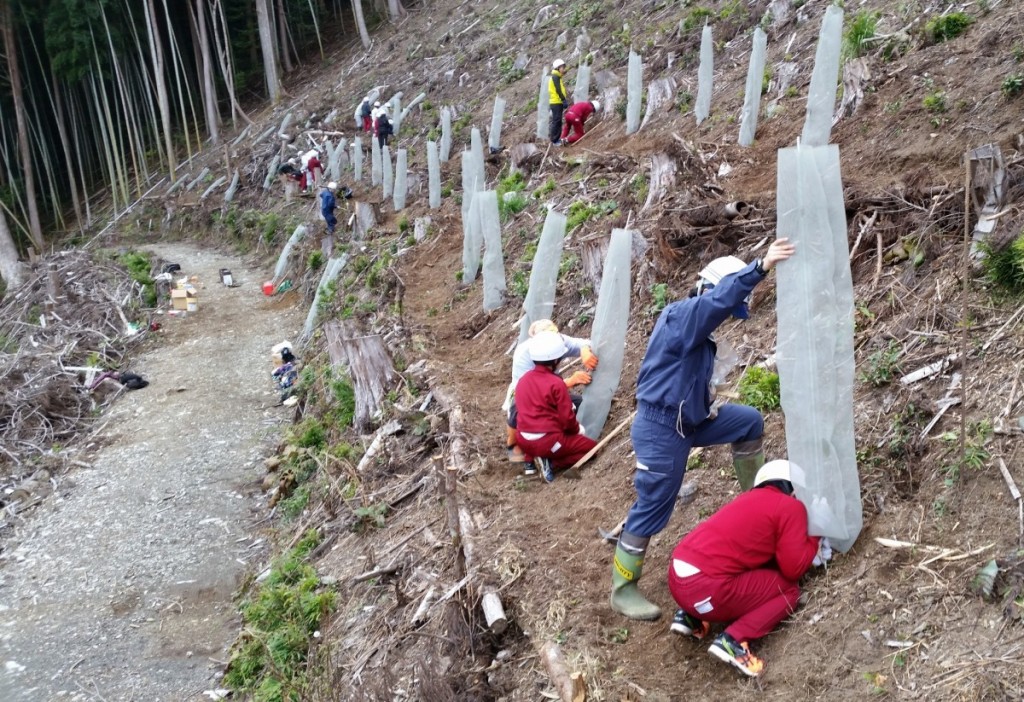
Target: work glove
[(578, 378), (588, 358), (824, 554)]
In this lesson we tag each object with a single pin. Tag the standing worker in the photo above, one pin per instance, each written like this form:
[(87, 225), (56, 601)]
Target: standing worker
[(384, 128), (676, 410), (327, 204), (366, 113), (557, 99), (546, 427), (741, 566), (575, 116), (522, 364)]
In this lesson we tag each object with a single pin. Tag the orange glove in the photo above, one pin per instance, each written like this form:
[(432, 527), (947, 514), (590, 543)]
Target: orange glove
[(588, 358), (578, 378)]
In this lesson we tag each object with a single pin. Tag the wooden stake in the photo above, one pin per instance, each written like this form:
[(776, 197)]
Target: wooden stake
[(601, 444)]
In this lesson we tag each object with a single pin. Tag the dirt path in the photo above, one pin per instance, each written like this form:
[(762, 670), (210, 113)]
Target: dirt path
[(119, 587)]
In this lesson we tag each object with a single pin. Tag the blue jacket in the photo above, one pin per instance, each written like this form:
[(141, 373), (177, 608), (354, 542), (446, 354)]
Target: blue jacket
[(676, 371), (327, 204)]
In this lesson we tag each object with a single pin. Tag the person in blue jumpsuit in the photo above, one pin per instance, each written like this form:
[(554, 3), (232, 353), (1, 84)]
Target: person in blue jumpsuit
[(327, 204), (675, 412)]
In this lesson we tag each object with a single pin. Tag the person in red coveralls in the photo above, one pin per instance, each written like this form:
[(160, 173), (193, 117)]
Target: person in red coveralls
[(546, 427), (741, 566), (575, 116)]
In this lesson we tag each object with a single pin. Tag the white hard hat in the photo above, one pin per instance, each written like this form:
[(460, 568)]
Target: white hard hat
[(547, 346), (332, 185), (542, 325), (780, 470), (721, 267), (558, 63), (376, 103), (596, 104)]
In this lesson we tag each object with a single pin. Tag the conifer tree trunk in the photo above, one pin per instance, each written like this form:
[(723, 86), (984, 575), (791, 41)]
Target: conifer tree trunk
[(157, 56), (267, 47), (357, 10), (282, 38), (11, 269), (27, 167), (209, 89)]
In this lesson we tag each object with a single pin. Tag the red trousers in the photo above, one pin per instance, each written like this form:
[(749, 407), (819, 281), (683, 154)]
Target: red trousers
[(563, 449), (575, 124), (367, 123), (754, 601)]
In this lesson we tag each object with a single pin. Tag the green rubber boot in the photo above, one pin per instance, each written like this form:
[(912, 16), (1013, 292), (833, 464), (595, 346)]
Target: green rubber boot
[(627, 567), (747, 459)]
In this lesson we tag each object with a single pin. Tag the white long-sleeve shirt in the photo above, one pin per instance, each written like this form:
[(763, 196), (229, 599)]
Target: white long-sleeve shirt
[(522, 363)]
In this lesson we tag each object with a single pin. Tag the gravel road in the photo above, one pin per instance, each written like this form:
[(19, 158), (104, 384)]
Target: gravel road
[(119, 586)]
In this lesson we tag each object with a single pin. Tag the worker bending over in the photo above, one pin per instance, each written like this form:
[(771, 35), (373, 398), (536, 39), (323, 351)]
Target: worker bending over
[(575, 116), (676, 410), (742, 564)]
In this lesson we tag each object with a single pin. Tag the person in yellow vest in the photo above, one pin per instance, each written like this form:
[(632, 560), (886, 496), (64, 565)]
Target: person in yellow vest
[(557, 99)]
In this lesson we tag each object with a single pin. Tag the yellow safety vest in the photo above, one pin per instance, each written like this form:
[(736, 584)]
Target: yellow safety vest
[(554, 89)]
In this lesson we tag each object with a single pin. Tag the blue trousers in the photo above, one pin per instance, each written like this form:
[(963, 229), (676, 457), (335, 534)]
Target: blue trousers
[(661, 455)]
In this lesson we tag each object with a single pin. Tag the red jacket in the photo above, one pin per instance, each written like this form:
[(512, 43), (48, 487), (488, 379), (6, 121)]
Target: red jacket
[(543, 404), (760, 526), (579, 111)]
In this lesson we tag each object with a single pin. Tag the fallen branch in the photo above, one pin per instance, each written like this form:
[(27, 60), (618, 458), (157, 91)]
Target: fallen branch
[(571, 687), (601, 444)]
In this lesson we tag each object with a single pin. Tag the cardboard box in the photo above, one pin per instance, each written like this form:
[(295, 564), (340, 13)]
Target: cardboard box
[(184, 300)]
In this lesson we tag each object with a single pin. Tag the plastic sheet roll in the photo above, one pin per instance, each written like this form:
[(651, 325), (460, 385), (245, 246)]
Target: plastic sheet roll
[(540, 297), (433, 175), (357, 159), (752, 96), (608, 336), (401, 173), (821, 98), (387, 173), (543, 107), (705, 75), (489, 223), (494, 136), (375, 165), (446, 134), (282, 260), (581, 91), (634, 92), (815, 341)]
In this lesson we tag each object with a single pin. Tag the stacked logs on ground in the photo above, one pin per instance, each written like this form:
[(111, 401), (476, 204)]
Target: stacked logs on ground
[(68, 322)]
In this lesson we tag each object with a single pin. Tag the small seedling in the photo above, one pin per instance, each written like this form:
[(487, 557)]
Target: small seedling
[(882, 365), (659, 297), (759, 388), (945, 27), (1013, 85), (935, 102)]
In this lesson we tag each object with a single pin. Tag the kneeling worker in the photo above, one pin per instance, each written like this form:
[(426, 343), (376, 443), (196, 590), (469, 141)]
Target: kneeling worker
[(742, 564), (546, 426)]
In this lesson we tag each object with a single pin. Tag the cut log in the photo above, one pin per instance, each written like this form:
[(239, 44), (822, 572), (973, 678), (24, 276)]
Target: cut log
[(377, 444), (368, 363), (571, 687), (365, 219), (494, 613), (662, 181), (661, 92), (525, 156)]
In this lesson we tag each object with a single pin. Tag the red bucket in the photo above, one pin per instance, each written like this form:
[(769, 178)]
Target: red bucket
[(268, 288)]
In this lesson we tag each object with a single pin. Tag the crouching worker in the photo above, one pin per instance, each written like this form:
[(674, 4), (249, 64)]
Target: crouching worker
[(521, 364), (741, 566), (285, 371), (546, 426), (575, 117)]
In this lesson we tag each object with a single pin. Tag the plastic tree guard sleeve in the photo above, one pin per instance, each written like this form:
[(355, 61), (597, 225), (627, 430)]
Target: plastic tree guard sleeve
[(357, 159), (543, 107), (396, 113), (752, 96), (581, 91), (387, 177), (609, 333), (477, 147), (446, 134), (705, 75), (472, 241), (330, 273), (401, 172), (634, 92), (282, 260), (494, 136), (486, 203), (375, 165), (815, 340), (433, 175), (540, 297), (821, 98)]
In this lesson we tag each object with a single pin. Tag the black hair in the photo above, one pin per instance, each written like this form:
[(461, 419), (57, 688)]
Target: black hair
[(784, 486), (287, 356)]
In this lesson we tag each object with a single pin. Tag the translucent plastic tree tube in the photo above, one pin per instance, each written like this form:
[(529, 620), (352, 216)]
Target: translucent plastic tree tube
[(705, 75), (433, 175), (401, 172), (752, 96), (821, 98), (540, 297), (634, 92), (486, 204)]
